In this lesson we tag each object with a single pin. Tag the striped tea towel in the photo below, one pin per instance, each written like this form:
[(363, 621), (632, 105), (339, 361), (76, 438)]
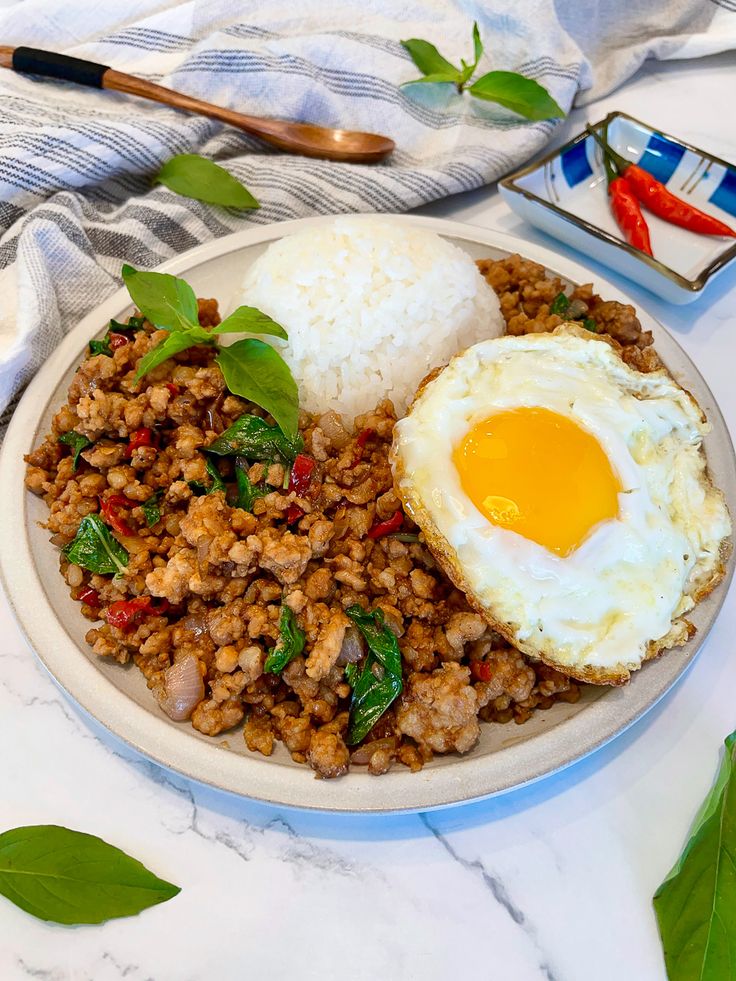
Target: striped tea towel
[(76, 198)]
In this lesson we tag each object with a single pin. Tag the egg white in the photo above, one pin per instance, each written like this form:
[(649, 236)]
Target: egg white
[(599, 611)]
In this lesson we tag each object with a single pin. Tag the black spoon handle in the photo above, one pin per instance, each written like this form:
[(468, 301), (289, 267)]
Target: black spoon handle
[(34, 61)]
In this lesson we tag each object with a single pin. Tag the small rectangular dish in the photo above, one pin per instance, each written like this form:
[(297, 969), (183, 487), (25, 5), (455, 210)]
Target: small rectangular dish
[(565, 195)]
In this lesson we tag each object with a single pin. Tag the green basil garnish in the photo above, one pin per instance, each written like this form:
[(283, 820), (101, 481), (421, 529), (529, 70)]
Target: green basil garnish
[(218, 484), (95, 549), (101, 347), (290, 643), (70, 877), (77, 442), (167, 301), (251, 320), (196, 177), (379, 683), (248, 492), (590, 325), (696, 903), (253, 438), (351, 674), (559, 305), (151, 510), (175, 343), (257, 372)]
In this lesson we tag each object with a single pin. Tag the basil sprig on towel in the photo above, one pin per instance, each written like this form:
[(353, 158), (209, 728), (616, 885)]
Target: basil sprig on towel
[(379, 683), (696, 903), (197, 177), (509, 89), (251, 369), (70, 877), (95, 549)]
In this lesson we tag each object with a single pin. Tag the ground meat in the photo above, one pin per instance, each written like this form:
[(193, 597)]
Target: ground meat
[(219, 577), (439, 711)]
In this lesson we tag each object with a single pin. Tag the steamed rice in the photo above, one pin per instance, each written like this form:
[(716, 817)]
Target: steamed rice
[(370, 305)]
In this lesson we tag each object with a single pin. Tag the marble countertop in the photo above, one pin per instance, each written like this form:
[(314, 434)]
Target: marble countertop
[(552, 882)]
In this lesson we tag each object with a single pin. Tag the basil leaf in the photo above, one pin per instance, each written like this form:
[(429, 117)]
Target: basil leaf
[(95, 549), (175, 343), (290, 643), (560, 304), (255, 371), (165, 300), (513, 91), (70, 877), (134, 323), (428, 59), (590, 325), (197, 177), (77, 442), (218, 484), (351, 674), (696, 903), (151, 510), (252, 437), (477, 45), (250, 320), (248, 492), (379, 683), (101, 347)]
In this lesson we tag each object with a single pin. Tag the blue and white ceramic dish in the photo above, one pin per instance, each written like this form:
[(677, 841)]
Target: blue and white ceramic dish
[(565, 194)]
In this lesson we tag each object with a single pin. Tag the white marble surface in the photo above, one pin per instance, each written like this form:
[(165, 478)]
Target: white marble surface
[(553, 882)]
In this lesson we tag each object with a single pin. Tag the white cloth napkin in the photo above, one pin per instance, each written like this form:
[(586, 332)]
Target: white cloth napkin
[(76, 165)]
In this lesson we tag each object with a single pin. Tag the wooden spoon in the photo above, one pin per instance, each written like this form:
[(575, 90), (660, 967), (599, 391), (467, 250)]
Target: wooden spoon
[(303, 138)]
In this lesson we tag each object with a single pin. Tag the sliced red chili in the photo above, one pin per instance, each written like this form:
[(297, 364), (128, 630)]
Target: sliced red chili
[(173, 388), (302, 470), (125, 614), (386, 527), (117, 340), (363, 436), (293, 513), (139, 437), (481, 670), (89, 596), (110, 511)]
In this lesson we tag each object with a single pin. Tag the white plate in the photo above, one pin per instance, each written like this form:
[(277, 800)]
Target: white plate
[(507, 756)]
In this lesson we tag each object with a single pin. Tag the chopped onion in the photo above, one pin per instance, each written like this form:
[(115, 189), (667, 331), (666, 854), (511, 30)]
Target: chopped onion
[(352, 647), (183, 688), (362, 755), (331, 425)]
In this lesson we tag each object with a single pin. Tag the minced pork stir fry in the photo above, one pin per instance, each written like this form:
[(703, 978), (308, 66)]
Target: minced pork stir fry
[(275, 583)]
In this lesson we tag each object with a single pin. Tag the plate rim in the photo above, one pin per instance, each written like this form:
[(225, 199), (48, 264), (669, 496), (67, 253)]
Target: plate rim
[(176, 748)]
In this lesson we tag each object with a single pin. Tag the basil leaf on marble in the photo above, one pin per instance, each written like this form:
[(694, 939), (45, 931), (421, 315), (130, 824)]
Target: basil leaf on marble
[(255, 371), (248, 492), (175, 343), (513, 91), (290, 643), (253, 438), (167, 301), (379, 683), (696, 903), (251, 320), (151, 510), (95, 549), (77, 443), (196, 177), (71, 877)]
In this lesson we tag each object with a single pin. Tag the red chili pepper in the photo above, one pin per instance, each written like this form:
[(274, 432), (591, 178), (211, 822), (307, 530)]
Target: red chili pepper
[(89, 596), (386, 527), (124, 614), (363, 436), (657, 198), (110, 511), (628, 215), (301, 474), (481, 670), (117, 340), (293, 513), (173, 388), (139, 437)]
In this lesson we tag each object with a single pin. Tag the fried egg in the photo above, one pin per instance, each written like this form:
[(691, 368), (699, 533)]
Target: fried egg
[(568, 496)]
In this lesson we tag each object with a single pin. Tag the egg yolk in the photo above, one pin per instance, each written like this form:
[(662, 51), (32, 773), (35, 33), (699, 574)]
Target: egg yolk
[(539, 474)]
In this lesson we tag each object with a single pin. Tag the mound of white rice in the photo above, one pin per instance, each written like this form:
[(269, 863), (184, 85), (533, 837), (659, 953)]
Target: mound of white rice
[(370, 305)]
